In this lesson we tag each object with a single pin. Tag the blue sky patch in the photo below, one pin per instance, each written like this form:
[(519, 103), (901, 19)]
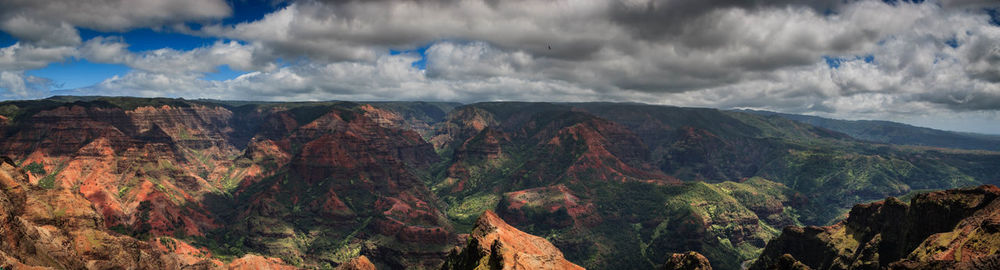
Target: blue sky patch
[(869, 58), (994, 16), (422, 51), (835, 62), (78, 73), (251, 10), (6, 40), (952, 42)]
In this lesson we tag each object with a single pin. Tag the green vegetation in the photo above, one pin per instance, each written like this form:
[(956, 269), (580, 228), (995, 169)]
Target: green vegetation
[(896, 133), (224, 244), (35, 168), (815, 176), (49, 181), (745, 177), (467, 210)]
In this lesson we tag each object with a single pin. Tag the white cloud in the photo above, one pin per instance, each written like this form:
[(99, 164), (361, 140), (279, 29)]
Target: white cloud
[(47, 32), (19, 86), (25, 56), (939, 58), (199, 60), (389, 77)]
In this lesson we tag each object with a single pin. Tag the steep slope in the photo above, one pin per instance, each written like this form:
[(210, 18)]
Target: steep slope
[(941, 229), (359, 263), (560, 170), (728, 222), (129, 157), (318, 184), (712, 145), (495, 245), (687, 261), (345, 182), (533, 148), (47, 228)]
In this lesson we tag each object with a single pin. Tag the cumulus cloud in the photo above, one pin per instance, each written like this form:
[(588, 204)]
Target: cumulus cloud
[(766, 54), (25, 56), (19, 85), (851, 59), (651, 46), (169, 61), (17, 58), (114, 15), (46, 31), (39, 32), (389, 77)]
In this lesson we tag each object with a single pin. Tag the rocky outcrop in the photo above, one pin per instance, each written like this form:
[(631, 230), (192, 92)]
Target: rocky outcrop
[(494, 244), (347, 176), (44, 229), (194, 127), (460, 124), (59, 229), (687, 261), (253, 262), (550, 207), (359, 263), (940, 229), (122, 157), (576, 147), (317, 184)]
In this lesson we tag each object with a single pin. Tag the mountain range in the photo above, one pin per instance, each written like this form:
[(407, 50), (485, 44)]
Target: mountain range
[(896, 133), (183, 183)]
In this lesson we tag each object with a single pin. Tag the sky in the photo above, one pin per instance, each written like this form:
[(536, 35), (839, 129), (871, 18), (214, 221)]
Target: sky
[(927, 63)]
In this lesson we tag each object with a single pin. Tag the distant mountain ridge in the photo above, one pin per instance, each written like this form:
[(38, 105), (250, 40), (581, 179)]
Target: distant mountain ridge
[(896, 133)]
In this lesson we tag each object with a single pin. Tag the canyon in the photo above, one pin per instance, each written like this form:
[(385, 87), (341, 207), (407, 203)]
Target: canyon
[(403, 184)]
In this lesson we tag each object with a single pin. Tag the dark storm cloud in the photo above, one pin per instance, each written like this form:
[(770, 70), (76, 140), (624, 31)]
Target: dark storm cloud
[(653, 19), (114, 15), (964, 100)]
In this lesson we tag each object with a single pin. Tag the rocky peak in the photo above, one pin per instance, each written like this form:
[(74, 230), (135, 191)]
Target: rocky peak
[(494, 244), (942, 229), (358, 263), (485, 145), (251, 262), (383, 118), (460, 124), (687, 261)]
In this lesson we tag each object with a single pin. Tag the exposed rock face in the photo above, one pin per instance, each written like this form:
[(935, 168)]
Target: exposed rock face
[(318, 184), (556, 205), (359, 263), (984, 263), (345, 176), (253, 262), (119, 159), (462, 123), (953, 228), (195, 127), (495, 245), (49, 228), (687, 261)]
